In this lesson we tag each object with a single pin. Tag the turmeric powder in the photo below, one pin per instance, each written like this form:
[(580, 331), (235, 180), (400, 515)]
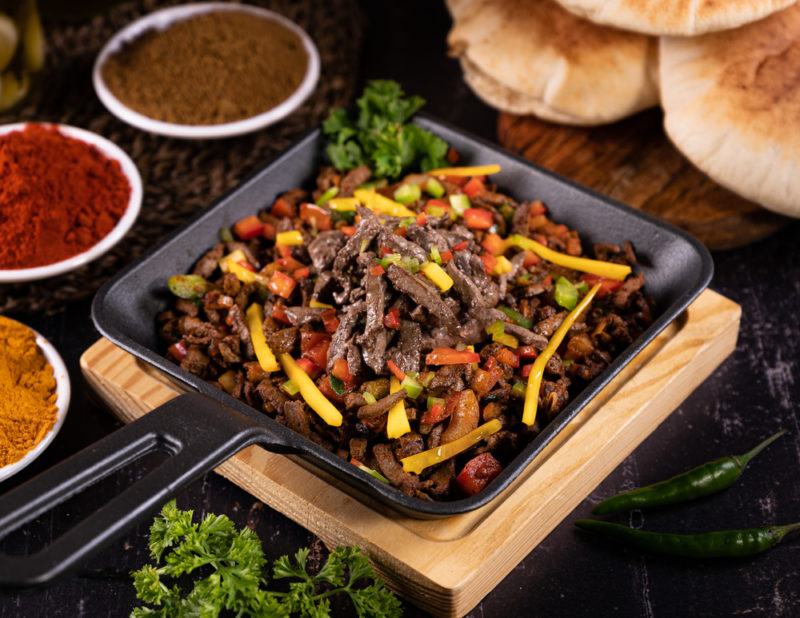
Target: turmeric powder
[(27, 392)]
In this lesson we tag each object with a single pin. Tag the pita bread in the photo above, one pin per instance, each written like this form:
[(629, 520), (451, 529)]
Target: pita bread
[(532, 56), (732, 106), (674, 17)]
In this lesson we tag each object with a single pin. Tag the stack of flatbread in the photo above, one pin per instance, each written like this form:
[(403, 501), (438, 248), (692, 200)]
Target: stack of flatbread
[(726, 72)]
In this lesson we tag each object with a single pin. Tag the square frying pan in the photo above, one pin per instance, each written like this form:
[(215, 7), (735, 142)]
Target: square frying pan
[(203, 428)]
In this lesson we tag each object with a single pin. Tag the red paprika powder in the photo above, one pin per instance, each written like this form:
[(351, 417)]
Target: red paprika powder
[(58, 196)]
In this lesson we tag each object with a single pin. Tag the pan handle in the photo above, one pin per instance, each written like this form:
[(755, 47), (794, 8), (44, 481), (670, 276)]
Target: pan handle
[(197, 432)]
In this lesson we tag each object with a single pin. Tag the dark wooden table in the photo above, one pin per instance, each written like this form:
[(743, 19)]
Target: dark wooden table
[(752, 395)]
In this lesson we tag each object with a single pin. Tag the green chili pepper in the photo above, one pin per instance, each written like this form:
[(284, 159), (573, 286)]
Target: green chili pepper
[(565, 293), (188, 287), (434, 187), (329, 194), (290, 387), (703, 480), (516, 317), (718, 544), (407, 194)]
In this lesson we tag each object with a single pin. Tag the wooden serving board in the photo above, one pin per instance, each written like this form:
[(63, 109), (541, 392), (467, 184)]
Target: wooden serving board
[(447, 566), (634, 162)]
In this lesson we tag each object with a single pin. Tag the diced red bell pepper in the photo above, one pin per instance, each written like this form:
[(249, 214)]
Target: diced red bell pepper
[(449, 356), (607, 286), (348, 230), (537, 208), (493, 243), (282, 208), (478, 473), (384, 251), (527, 351), (422, 219), (285, 251), (246, 265), (309, 366), (475, 186), (269, 232), (289, 264), (311, 339), (329, 320), (177, 351), (531, 259), (318, 354), (548, 280), (458, 181), (507, 357), (301, 273), (489, 262), (324, 385), (490, 362), (281, 284), (526, 371), (401, 231), (461, 246), (392, 318), (377, 270), (436, 203), (435, 415), (341, 370), (279, 314), (452, 155), (478, 219), (248, 228), (396, 371), (312, 213), (447, 256), (483, 381)]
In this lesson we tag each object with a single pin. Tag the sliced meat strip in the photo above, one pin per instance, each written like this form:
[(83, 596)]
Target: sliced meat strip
[(427, 237), (516, 264), (324, 248), (272, 398), (467, 290), (392, 469), (354, 179), (366, 231), (471, 265), (525, 335), (302, 315), (382, 406), (423, 294), (404, 247), (519, 223), (631, 285), (297, 418), (373, 341), (207, 264), (344, 332), (239, 326), (408, 353)]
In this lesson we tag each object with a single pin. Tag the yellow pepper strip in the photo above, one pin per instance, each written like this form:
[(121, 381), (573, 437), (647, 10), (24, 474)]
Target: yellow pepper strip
[(537, 371), (381, 204), (232, 257), (310, 393), (255, 323), (417, 463), (315, 304), (291, 238), (503, 265), (437, 275), (342, 204), (397, 422), (594, 267), (478, 170), (231, 264)]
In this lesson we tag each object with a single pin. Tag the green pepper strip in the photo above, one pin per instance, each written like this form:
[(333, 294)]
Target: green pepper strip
[(703, 480), (718, 544)]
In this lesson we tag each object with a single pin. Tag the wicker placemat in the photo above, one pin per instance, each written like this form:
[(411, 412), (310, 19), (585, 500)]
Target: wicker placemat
[(179, 176)]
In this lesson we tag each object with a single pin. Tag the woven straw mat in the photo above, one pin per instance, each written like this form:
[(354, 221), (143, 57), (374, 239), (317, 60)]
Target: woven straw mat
[(179, 176)]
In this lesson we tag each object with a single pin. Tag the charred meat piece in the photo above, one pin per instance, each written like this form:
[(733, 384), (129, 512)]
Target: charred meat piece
[(373, 341), (424, 294), (324, 248), (382, 406)]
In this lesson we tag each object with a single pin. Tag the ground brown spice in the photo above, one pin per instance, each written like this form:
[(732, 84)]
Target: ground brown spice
[(27, 392), (210, 69)]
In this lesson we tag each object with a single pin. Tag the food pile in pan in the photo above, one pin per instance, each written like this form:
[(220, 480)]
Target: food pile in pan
[(399, 325)]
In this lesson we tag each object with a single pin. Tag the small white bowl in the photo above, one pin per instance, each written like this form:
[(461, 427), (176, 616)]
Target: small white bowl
[(165, 17), (112, 151), (62, 405)]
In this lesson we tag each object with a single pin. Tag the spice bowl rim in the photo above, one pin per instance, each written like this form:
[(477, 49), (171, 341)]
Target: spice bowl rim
[(165, 17), (63, 395), (123, 226)]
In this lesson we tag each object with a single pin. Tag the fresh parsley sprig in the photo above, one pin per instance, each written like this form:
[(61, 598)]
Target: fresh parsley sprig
[(232, 563), (380, 137)]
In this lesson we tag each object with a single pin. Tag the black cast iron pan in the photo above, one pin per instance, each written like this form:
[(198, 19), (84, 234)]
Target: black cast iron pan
[(205, 427)]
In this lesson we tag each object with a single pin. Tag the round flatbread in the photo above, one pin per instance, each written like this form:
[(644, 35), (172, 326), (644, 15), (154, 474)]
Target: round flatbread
[(532, 56), (674, 17), (732, 106)]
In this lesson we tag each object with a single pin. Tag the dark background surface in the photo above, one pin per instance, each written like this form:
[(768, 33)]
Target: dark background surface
[(754, 393)]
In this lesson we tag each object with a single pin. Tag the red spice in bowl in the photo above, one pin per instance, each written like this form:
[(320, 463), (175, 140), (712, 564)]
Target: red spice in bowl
[(59, 196)]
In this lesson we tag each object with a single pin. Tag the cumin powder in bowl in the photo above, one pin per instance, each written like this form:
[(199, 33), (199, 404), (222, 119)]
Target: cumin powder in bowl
[(206, 70)]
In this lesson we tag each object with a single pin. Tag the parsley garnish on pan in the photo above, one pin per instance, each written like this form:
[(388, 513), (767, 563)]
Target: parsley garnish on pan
[(230, 574), (379, 137)]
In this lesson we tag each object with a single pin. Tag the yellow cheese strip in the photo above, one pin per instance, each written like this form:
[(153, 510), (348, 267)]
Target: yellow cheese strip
[(310, 393), (397, 423), (255, 323), (417, 463), (537, 371)]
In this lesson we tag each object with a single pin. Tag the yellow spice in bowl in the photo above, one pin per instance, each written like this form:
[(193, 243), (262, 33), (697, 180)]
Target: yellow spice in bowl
[(27, 392)]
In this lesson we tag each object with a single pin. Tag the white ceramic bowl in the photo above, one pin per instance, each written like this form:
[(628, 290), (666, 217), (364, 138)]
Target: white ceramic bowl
[(112, 151), (165, 17), (62, 405)]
